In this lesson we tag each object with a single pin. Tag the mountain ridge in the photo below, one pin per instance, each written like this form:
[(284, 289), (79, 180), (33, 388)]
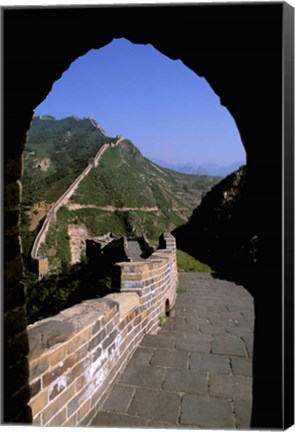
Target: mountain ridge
[(124, 181), (210, 169)]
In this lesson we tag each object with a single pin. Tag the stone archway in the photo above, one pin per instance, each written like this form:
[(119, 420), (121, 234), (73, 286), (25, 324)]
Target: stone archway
[(238, 49)]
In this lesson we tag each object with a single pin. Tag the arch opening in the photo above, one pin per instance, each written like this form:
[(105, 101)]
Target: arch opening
[(160, 117), (235, 95)]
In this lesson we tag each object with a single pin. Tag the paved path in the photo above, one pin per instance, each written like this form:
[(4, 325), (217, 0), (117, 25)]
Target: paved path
[(197, 371)]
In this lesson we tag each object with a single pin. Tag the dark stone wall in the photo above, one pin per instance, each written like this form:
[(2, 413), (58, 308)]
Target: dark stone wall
[(238, 49)]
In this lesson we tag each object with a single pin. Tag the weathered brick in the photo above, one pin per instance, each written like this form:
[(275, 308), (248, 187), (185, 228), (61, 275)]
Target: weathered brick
[(132, 277), (58, 355), (96, 327), (96, 340), (59, 419), (80, 382), (72, 421), (61, 401), (38, 367), (97, 353), (38, 420), (83, 411), (80, 397), (76, 342), (58, 371), (57, 387), (35, 387), (78, 370), (86, 420), (39, 402)]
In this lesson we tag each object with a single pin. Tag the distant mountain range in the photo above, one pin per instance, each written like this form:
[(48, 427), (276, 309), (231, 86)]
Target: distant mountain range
[(208, 169)]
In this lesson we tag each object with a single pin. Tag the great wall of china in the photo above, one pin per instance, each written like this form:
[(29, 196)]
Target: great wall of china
[(41, 263), (76, 356)]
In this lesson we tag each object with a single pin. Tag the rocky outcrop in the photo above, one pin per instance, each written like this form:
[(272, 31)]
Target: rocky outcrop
[(220, 231)]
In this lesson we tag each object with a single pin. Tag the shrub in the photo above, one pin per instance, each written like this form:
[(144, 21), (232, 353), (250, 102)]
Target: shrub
[(186, 263)]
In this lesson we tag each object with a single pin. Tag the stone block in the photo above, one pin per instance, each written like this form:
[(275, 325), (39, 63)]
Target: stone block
[(58, 403), (45, 335), (159, 341), (38, 367), (83, 411), (155, 405), (127, 302), (79, 398), (142, 355), (181, 380), (206, 412), (35, 387), (38, 402), (241, 366), (96, 340), (72, 421), (110, 339), (228, 345), (58, 355), (193, 344), (243, 410), (230, 386), (59, 419), (209, 363), (80, 339), (170, 358), (119, 399), (107, 419), (142, 376), (58, 371)]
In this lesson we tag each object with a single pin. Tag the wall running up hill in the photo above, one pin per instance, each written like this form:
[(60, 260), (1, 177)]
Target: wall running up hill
[(41, 263), (75, 356)]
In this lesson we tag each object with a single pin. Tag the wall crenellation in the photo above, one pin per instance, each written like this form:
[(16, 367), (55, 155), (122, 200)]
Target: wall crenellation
[(76, 355)]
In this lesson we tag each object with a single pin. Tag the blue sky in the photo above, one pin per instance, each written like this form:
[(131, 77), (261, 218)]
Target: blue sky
[(162, 106)]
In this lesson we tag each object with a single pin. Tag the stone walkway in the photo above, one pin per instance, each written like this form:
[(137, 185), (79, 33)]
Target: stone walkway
[(197, 371)]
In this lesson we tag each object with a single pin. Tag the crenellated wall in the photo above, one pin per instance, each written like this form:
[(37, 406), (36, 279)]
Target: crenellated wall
[(76, 355), (41, 263)]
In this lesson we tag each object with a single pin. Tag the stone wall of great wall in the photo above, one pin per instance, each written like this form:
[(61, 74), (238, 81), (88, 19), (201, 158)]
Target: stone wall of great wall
[(76, 355), (40, 264)]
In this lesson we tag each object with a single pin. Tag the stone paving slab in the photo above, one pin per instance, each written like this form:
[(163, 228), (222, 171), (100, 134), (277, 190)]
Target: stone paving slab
[(196, 373), (207, 412)]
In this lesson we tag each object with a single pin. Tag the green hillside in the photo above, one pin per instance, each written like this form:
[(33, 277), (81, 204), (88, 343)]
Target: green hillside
[(126, 194)]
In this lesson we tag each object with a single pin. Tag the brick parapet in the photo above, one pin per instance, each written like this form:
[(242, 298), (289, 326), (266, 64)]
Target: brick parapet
[(76, 355)]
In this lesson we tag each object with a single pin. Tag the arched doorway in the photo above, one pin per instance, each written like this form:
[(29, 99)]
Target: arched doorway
[(225, 45)]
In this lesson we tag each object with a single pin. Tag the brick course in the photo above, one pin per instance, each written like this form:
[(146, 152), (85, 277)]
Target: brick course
[(71, 374)]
